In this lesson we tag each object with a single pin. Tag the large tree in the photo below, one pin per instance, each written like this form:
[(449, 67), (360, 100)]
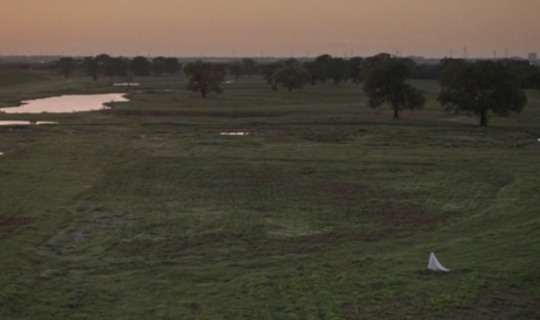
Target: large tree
[(338, 70), (356, 69), (385, 84), (291, 75), (121, 66), (236, 70), (66, 66), (91, 67), (164, 65), (113, 66), (481, 87), (249, 66), (172, 65), (205, 77), (319, 69), (158, 65), (140, 66), (268, 73), (314, 70)]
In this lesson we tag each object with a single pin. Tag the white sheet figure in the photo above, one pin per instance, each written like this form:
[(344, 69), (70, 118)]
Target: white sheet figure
[(435, 265)]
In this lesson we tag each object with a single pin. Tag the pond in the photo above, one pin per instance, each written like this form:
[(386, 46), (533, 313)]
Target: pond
[(234, 133), (67, 103), (23, 122)]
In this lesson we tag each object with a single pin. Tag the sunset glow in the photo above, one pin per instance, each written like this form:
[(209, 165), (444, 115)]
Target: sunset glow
[(435, 28)]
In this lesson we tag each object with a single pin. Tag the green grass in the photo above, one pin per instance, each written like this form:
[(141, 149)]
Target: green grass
[(327, 210), (11, 78)]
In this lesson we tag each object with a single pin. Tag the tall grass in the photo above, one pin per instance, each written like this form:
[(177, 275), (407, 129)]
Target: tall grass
[(327, 210)]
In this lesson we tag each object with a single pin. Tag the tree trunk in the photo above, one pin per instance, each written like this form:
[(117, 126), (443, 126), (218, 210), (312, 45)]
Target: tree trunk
[(203, 93), (483, 119), (396, 113)]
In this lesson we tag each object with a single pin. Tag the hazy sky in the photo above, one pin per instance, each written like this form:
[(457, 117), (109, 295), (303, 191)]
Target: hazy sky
[(270, 27)]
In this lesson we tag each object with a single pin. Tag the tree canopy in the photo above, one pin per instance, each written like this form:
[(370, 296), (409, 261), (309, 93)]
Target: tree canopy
[(140, 66), (356, 69), (204, 77), (172, 65), (480, 87), (249, 66), (161, 65), (385, 83), (66, 66), (291, 75), (268, 73), (91, 67), (326, 67)]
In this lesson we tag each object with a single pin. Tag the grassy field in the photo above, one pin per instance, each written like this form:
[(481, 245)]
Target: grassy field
[(327, 210)]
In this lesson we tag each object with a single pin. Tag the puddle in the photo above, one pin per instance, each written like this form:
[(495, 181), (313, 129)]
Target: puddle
[(24, 123), (1, 153), (67, 103), (126, 84), (239, 133)]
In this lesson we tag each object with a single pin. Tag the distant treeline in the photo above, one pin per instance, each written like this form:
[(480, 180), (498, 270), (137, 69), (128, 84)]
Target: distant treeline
[(322, 69)]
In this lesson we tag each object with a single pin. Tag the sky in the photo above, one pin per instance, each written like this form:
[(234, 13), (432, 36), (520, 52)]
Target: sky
[(279, 28)]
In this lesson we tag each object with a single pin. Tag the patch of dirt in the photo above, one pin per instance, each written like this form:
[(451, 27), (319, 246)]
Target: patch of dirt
[(379, 206), (138, 246), (9, 225), (504, 305), (313, 242)]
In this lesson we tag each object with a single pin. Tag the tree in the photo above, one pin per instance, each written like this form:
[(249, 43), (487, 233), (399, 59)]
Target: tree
[(236, 70), (320, 70), (172, 65), (163, 65), (101, 61), (121, 66), (480, 87), (140, 66), (205, 77), (291, 75), (158, 65), (314, 70), (338, 70), (268, 73), (91, 67), (249, 66), (109, 65), (376, 60), (66, 66), (113, 66), (385, 83), (355, 69), (526, 73), (533, 80)]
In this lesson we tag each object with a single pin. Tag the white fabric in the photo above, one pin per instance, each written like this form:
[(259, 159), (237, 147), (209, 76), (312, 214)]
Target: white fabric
[(435, 265)]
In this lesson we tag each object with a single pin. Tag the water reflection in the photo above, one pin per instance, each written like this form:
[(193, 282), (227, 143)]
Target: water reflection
[(24, 123), (67, 103), (236, 133)]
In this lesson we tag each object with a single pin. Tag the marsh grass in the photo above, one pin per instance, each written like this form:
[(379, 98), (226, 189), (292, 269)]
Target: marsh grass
[(327, 211)]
